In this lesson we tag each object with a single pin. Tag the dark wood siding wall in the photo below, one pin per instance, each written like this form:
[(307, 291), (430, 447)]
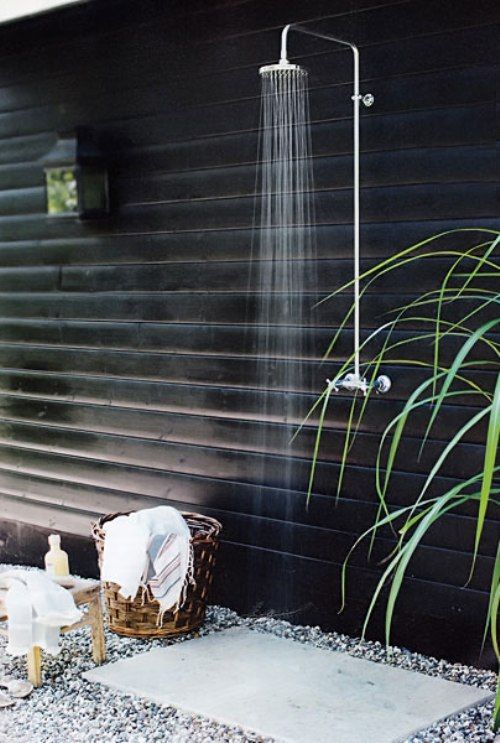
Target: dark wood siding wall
[(123, 377)]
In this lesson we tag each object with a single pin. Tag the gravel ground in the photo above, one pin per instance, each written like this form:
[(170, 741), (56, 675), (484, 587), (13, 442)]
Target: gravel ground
[(68, 708)]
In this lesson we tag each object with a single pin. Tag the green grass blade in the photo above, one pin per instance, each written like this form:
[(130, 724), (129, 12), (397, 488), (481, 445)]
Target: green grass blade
[(399, 421), (449, 448), (490, 455), (492, 614), (346, 447), (439, 308), (457, 363), (317, 441), (388, 262)]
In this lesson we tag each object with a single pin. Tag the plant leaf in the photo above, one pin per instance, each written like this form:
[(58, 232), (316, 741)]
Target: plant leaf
[(490, 455)]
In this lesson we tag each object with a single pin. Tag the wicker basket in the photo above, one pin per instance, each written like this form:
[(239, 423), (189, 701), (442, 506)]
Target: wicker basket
[(139, 617)]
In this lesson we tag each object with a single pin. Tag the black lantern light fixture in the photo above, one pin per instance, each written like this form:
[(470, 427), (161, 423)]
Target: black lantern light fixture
[(76, 178)]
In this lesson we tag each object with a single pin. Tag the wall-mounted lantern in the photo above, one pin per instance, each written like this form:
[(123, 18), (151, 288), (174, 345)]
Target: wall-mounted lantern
[(76, 178)]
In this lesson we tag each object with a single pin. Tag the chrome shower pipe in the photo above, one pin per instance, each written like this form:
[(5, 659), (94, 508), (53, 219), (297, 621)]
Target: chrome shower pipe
[(352, 381)]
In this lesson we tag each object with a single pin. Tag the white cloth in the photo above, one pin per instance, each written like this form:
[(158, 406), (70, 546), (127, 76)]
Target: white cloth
[(37, 608), (126, 559), (125, 555)]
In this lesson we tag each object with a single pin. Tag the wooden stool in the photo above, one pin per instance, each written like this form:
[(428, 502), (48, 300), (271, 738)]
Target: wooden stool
[(85, 593)]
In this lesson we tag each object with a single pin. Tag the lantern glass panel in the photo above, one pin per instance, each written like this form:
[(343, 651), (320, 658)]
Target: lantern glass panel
[(93, 190), (62, 190)]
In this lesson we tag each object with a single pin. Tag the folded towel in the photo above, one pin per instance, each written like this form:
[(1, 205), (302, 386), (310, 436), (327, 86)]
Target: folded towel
[(125, 557), (37, 608), (151, 548), (171, 560)]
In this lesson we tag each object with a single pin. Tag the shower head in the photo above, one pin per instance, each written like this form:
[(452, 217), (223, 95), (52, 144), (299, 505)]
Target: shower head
[(284, 67)]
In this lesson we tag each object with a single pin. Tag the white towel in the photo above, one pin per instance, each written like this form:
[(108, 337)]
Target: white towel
[(37, 608), (127, 557)]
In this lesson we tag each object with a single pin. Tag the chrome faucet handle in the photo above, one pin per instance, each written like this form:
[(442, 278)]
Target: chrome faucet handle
[(382, 384)]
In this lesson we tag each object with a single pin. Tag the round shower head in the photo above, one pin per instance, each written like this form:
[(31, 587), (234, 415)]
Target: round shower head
[(283, 66)]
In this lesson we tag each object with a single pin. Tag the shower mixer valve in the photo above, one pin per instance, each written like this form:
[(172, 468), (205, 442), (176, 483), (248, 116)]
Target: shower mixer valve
[(355, 383), (368, 99)]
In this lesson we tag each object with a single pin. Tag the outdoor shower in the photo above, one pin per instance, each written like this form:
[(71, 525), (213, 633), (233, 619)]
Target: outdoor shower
[(284, 85)]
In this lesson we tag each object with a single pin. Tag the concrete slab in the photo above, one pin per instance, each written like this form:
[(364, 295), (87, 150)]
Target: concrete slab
[(292, 692)]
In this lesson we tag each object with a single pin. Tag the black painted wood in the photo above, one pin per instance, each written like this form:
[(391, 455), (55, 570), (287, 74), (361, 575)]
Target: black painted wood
[(127, 377)]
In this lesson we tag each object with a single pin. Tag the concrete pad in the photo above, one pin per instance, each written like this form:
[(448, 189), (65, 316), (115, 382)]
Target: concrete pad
[(289, 691)]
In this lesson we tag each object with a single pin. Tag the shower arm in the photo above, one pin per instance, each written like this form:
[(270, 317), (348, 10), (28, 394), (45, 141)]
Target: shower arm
[(354, 381)]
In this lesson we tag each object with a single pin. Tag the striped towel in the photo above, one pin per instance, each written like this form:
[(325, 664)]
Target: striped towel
[(170, 570)]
